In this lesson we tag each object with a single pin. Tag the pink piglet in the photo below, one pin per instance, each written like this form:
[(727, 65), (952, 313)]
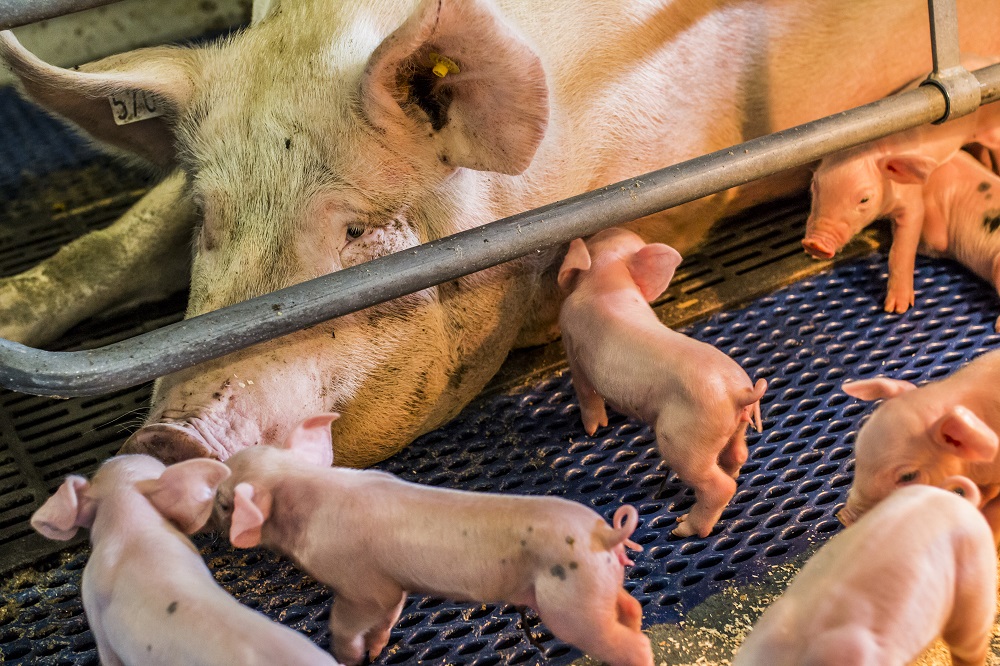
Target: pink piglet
[(698, 400), (147, 594), (373, 537)]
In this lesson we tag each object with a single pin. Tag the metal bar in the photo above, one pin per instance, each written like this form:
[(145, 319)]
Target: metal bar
[(957, 84), (217, 333), (15, 13), (944, 34)]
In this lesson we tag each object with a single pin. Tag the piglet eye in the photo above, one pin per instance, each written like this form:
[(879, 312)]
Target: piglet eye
[(909, 477), (865, 199), (355, 231)]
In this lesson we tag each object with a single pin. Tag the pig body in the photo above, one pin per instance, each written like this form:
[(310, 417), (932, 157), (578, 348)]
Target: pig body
[(921, 565), (698, 400), (962, 216), (926, 434), (885, 178), (319, 138), (148, 596), (372, 538)]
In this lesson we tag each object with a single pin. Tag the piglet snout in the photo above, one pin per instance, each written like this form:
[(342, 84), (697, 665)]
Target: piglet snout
[(817, 249)]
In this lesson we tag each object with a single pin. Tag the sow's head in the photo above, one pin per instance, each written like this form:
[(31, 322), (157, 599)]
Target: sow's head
[(324, 136)]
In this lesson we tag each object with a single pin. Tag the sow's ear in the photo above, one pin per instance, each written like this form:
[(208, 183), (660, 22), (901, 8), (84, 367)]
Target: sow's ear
[(470, 81), (184, 493), (876, 389), (577, 260), (311, 440), (66, 511), (652, 268), (160, 78), (251, 507), (965, 435)]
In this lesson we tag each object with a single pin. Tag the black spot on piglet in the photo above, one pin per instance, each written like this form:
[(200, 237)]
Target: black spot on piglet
[(983, 186), (558, 572), (991, 220), (172, 607)]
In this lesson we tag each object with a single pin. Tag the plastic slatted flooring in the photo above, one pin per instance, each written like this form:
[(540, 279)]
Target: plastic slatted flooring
[(805, 339)]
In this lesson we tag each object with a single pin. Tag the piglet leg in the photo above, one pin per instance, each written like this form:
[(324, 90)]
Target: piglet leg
[(902, 260), (353, 619), (592, 408), (378, 637), (735, 454)]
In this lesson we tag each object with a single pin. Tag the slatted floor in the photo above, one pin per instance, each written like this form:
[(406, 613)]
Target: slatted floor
[(521, 438)]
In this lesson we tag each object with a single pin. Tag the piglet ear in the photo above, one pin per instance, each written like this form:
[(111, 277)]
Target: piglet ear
[(961, 485), (184, 493), (652, 268), (66, 511), (908, 169), (878, 388), (251, 507), (577, 260), (311, 440), (965, 435)]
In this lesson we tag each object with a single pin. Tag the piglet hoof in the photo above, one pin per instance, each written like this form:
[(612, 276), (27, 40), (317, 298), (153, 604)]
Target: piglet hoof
[(684, 527), (898, 302), (996, 325)]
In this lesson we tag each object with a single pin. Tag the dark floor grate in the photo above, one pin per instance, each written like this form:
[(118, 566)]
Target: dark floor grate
[(805, 339)]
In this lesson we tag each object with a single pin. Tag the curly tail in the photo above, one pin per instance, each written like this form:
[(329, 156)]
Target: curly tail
[(751, 404), (624, 522)]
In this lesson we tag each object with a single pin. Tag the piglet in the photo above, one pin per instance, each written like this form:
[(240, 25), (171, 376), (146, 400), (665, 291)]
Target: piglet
[(921, 565), (697, 399), (885, 178), (923, 435), (147, 594), (373, 537), (962, 217)]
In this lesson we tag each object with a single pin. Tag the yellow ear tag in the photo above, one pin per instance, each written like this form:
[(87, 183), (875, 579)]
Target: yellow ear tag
[(443, 65)]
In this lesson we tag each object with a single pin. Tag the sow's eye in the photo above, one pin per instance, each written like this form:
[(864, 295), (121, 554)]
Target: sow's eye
[(908, 477), (355, 231)]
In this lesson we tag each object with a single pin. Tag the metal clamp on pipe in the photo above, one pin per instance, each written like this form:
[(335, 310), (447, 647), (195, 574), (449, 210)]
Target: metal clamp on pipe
[(961, 90)]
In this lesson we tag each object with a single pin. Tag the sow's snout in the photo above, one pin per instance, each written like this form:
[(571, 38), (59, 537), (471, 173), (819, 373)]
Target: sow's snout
[(170, 443)]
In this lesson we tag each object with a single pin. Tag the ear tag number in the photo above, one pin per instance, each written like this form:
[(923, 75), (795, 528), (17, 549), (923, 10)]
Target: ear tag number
[(131, 107)]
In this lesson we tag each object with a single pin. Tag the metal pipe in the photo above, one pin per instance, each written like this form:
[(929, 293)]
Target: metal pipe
[(15, 13), (217, 333)]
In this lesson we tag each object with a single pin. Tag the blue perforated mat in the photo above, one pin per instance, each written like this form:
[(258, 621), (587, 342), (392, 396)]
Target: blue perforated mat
[(805, 339)]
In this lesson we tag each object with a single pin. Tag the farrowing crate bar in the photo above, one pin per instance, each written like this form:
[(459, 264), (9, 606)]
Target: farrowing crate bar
[(951, 91)]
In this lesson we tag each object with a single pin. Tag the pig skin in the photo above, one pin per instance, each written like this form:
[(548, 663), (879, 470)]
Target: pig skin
[(962, 217), (148, 596), (373, 537), (299, 157), (698, 400), (924, 435), (922, 564)]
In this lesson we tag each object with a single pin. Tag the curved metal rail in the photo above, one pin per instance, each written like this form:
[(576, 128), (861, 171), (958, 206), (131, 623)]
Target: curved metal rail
[(217, 333), (15, 13)]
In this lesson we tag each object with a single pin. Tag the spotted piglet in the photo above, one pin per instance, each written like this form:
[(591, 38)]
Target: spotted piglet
[(147, 594), (373, 537), (962, 217), (921, 564), (698, 400)]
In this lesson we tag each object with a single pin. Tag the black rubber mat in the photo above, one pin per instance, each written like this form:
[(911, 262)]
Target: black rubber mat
[(805, 339)]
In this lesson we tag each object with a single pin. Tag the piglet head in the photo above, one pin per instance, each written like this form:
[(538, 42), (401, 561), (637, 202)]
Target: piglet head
[(902, 444), (847, 195), (248, 504), (185, 492), (65, 511), (651, 266)]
